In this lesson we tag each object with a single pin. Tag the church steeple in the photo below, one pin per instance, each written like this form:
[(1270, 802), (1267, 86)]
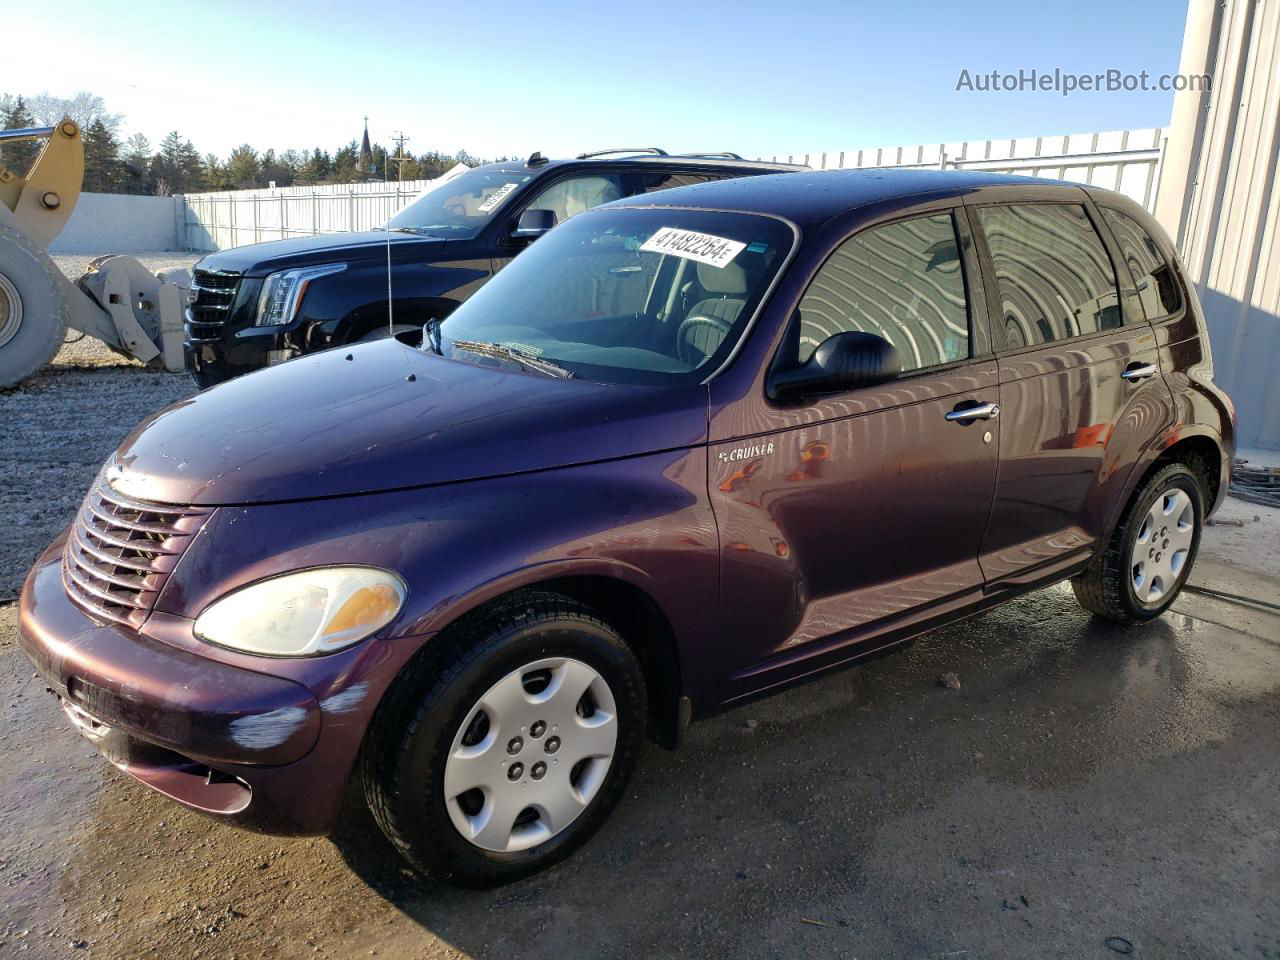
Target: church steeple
[(364, 165)]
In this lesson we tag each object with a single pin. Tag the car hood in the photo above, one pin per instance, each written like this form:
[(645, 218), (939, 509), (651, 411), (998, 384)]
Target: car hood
[(259, 259), (384, 416)]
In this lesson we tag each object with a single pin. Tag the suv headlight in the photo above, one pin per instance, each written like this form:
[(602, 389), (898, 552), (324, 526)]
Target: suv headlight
[(305, 613), (282, 293)]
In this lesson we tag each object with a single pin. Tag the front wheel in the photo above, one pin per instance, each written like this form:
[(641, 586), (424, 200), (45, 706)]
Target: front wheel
[(1149, 557), (505, 753)]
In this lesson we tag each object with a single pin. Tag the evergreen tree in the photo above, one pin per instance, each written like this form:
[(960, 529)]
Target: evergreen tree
[(318, 167), (242, 167), (215, 173), (277, 169), (103, 171), (18, 157), (137, 165), (190, 169)]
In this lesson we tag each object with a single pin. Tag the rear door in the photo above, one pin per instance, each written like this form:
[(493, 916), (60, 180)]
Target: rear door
[(1081, 394)]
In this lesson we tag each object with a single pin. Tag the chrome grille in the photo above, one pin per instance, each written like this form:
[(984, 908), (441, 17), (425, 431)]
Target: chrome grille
[(121, 551), (212, 294)]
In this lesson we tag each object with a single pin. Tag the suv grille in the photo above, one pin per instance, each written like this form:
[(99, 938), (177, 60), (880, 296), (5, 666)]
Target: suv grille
[(212, 293), (121, 551)]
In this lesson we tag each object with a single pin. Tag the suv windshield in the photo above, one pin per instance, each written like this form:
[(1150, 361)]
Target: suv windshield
[(459, 207), (625, 295)]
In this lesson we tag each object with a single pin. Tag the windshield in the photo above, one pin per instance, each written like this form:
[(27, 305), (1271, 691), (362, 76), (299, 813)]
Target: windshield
[(625, 295), (459, 207)]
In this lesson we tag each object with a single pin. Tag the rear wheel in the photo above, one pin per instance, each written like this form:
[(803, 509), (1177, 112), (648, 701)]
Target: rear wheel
[(1151, 552), (33, 317), (507, 752)]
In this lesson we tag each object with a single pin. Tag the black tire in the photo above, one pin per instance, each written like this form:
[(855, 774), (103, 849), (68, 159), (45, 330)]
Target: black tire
[(29, 273), (1106, 587), (413, 731)]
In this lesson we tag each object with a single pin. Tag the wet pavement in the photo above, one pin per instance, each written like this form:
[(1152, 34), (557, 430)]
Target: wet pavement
[(1086, 782)]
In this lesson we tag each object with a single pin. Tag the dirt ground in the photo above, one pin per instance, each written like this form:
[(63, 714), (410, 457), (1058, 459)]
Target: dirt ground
[(1089, 790)]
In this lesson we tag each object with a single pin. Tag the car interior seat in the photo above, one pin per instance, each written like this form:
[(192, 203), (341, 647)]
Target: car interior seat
[(710, 320)]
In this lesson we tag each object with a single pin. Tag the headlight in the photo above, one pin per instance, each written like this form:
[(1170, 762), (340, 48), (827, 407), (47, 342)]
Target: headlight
[(305, 613), (282, 293)]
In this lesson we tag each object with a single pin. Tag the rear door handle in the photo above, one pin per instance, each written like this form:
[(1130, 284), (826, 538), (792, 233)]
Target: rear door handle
[(981, 411), (1139, 371)]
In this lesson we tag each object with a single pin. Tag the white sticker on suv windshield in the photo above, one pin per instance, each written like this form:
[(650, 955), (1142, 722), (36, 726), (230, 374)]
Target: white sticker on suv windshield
[(497, 197), (703, 247)]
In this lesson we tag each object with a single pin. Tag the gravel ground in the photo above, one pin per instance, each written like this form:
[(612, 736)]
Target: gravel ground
[(1086, 782), (60, 425)]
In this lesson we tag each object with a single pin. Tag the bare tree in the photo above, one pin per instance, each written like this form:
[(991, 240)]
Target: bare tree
[(84, 108)]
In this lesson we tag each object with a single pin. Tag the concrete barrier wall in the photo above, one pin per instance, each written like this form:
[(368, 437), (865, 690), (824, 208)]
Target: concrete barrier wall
[(118, 223)]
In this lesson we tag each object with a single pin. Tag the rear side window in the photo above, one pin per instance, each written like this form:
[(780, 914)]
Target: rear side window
[(1053, 273), (653, 182), (1152, 273), (903, 282)]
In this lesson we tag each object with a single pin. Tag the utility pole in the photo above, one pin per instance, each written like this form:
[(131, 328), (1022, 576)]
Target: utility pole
[(399, 159)]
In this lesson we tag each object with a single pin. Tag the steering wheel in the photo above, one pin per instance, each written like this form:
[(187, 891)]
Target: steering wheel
[(690, 352)]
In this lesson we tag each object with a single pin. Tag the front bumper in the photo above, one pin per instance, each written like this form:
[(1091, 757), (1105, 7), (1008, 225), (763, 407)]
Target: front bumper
[(260, 750), (232, 353)]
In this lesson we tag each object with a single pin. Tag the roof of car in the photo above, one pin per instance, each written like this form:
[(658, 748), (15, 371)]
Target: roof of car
[(710, 161), (812, 197)]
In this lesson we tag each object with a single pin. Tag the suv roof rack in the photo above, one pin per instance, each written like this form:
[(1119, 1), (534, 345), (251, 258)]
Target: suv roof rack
[(656, 151), (723, 155)]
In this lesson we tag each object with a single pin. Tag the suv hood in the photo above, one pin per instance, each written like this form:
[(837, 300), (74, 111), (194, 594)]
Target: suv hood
[(383, 416), (259, 259)]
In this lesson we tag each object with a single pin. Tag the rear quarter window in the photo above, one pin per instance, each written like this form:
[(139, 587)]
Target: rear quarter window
[(1151, 271)]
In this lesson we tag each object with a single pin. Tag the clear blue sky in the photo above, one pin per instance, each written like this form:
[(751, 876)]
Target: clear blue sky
[(498, 77)]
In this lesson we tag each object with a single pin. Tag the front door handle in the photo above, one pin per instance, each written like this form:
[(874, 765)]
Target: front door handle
[(981, 411), (1139, 371)]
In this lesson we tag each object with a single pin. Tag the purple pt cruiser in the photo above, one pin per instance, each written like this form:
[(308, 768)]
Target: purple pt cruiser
[(676, 456)]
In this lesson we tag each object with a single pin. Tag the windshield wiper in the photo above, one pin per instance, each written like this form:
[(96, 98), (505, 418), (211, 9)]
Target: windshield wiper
[(420, 231), (526, 360)]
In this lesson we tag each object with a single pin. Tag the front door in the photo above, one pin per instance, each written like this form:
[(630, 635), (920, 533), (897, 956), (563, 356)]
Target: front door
[(566, 198), (1080, 390), (864, 512)]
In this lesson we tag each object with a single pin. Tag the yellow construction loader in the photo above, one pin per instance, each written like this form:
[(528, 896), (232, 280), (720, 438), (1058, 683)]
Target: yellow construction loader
[(119, 301)]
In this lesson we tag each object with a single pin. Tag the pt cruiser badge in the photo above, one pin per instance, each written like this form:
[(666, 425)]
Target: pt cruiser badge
[(745, 453)]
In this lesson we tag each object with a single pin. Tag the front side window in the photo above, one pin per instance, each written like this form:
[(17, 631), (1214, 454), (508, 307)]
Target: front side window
[(1152, 273), (625, 295), (903, 282), (1053, 273), (462, 205), (568, 198)]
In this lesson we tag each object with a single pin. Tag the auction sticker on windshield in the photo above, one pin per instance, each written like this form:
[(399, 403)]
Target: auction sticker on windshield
[(497, 197), (703, 247)]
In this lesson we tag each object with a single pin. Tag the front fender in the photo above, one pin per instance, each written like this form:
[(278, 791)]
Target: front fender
[(643, 520), (342, 307)]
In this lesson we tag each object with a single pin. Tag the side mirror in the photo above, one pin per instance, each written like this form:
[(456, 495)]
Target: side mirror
[(843, 361), (533, 224)]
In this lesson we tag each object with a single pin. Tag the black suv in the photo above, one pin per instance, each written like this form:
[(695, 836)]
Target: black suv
[(262, 304)]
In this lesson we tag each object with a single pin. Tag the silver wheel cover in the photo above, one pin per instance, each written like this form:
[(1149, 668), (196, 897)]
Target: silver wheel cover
[(1163, 545), (539, 761), (10, 310)]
